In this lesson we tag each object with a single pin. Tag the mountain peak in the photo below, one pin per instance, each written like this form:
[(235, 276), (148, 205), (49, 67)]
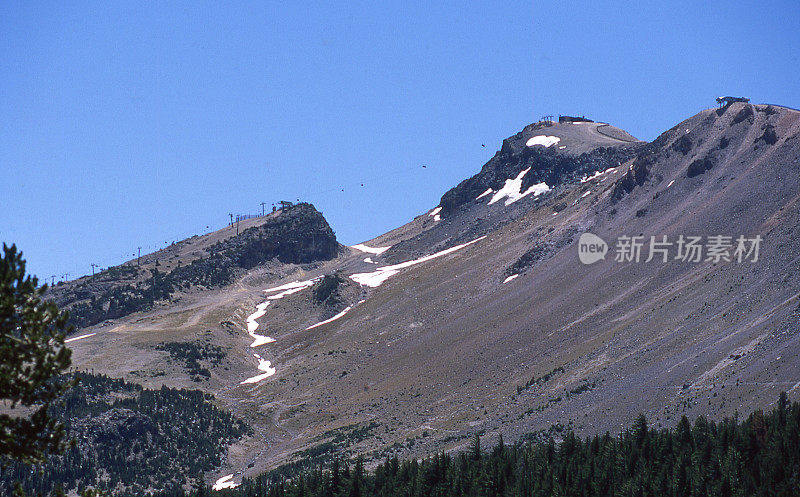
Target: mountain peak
[(552, 152)]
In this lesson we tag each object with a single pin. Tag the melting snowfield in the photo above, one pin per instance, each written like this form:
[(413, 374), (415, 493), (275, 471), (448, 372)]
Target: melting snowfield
[(511, 189), (252, 325), (371, 250), (435, 213), (263, 365), (543, 140), (334, 318), (380, 275), (224, 482), (289, 288), (372, 279), (512, 277)]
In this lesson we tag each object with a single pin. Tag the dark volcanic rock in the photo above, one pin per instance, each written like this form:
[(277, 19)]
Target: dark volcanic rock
[(528, 259), (768, 110), (636, 176), (326, 290), (699, 166), (682, 145), (539, 252), (769, 137), (546, 165), (119, 426), (299, 235), (745, 113)]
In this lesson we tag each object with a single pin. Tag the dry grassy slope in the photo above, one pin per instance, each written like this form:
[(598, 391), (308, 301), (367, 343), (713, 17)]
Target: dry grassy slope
[(436, 353)]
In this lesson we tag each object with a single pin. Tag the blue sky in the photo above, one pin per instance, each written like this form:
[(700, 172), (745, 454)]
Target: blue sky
[(126, 124)]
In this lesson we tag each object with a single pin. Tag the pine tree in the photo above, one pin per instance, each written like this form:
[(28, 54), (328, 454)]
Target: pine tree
[(33, 355), (475, 448)]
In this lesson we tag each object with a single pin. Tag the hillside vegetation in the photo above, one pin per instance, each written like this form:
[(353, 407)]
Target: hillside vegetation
[(129, 440), (757, 456), (298, 235)]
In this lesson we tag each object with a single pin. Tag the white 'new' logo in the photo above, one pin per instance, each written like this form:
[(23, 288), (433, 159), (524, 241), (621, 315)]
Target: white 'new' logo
[(591, 248)]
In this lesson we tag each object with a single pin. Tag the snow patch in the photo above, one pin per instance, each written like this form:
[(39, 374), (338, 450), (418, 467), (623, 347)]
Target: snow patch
[(252, 326), (511, 189), (259, 340), (263, 365), (380, 275), (542, 140), (284, 293), (334, 318), (487, 192), (562, 147), (586, 194), (597, 174), (291, 286), (79, 337), (435, 211), (371, 250), (261, 310), (224, 482), (513, 276), (373, 279), (671, 183)]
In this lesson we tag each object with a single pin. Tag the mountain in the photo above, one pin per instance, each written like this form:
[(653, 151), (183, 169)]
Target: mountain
[(479, 316), (294, 234)]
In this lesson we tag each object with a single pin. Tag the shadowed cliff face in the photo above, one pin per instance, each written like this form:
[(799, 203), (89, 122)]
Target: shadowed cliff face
[(299, 235)]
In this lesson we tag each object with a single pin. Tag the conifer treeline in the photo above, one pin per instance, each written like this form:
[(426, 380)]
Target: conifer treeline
[(129, 440), (757, 456)]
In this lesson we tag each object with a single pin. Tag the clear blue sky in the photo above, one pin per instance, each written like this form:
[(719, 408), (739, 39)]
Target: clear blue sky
[(130, 123)]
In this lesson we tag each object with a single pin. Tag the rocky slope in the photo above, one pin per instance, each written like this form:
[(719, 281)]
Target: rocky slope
[(296, 234), (552, 165), (478, 316)]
